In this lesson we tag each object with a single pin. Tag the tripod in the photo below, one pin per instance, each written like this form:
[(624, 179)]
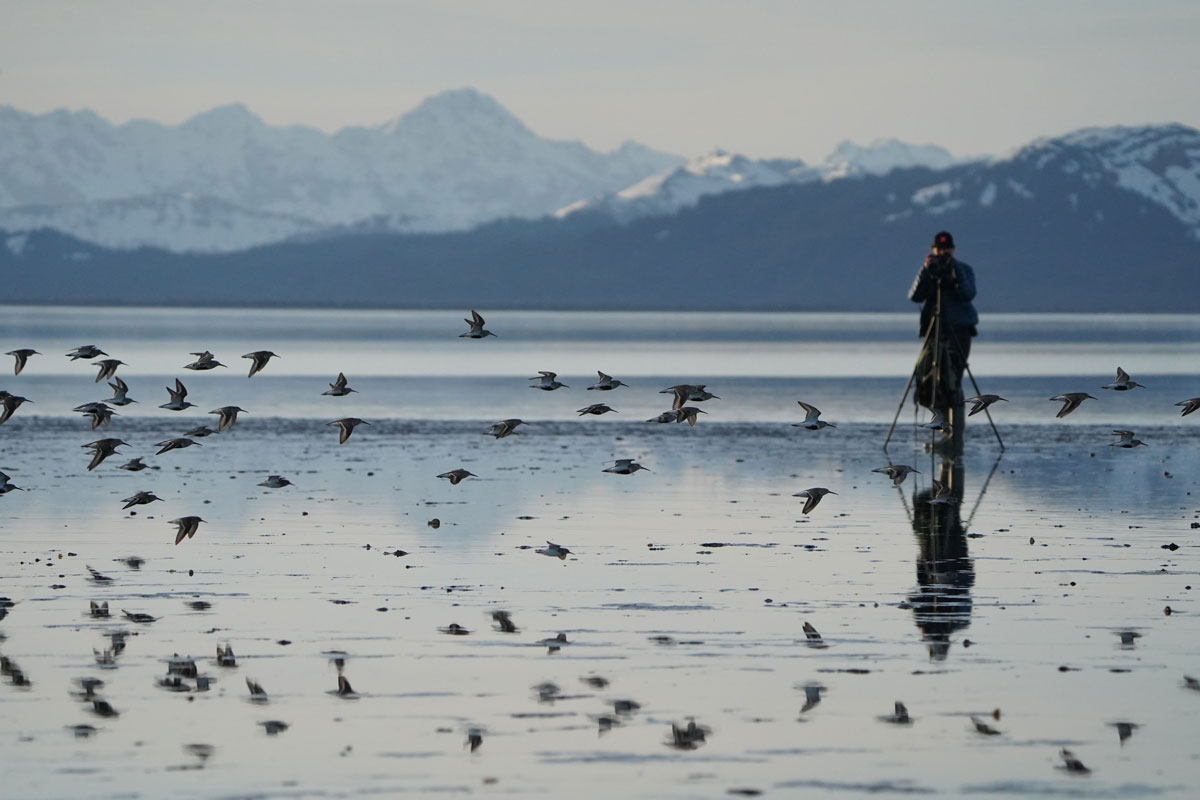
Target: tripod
[(934, 332)]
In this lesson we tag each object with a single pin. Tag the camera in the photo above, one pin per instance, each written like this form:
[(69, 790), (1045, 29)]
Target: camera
[(939, 266)]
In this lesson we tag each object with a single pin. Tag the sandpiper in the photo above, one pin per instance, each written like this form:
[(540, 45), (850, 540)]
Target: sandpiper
[(339, 388), (102, 449), (477, 331), (346, 426), (1071, 763), (1125, 440), (595, 409), (204, 361), (186, 527), (687, 392), (100, 413), (983, 727), (606, 383), (1123, 383), (108, 368), (938, 423), (120, 392), (200, 432), (275, 482), (259, 359), (554, 550), (227, 416), (133, 465), (504, 428), (813, 497), (456, 476), (177, 401), (899, 716), (665, 417), (344, 689), (812, 696), (812, 419), (897, 472), (548, 381), (257, 693), (504, 621), (688, 414), (21, 357), (1189, 406), (178, 443), (86, 351), (9, 403), (140, 499), (981, 401), (625, 466), (1070, 401)]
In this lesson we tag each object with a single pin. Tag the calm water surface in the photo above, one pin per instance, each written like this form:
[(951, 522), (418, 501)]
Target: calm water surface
[(687, 586)]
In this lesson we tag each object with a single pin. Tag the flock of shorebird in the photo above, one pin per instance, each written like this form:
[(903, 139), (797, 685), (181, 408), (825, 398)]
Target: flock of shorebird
[(101, 412)]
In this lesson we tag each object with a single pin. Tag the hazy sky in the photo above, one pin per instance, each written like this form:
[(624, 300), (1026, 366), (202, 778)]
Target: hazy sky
[(761, 77)]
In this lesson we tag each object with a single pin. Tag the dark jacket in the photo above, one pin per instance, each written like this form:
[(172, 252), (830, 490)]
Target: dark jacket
[(957, 293)]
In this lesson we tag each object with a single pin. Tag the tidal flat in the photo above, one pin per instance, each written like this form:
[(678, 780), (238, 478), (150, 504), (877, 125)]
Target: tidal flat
[(1052, 601)]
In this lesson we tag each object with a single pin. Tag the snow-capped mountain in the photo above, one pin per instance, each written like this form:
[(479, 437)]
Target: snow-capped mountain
[(719, 172), (224, 180), (1159, 163)]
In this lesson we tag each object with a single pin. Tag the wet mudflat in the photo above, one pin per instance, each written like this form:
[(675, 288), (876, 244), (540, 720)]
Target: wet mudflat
[(1037, 604)]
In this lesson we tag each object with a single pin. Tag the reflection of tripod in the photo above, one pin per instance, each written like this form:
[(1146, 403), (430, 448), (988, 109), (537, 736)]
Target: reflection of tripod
[(941, 350)]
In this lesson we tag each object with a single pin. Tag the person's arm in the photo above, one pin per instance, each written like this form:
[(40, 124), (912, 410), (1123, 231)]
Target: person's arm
[(964, 281), (923, 284)]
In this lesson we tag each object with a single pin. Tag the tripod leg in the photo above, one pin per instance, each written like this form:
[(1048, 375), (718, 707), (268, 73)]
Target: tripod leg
[(911, 378)]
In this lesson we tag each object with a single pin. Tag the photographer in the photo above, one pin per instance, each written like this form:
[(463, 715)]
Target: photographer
[(946, 286)]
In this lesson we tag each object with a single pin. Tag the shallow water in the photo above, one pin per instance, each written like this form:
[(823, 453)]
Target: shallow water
[(687, 588)]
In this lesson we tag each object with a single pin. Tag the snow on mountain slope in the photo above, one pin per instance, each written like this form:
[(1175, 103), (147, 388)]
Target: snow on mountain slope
[(455, 161)]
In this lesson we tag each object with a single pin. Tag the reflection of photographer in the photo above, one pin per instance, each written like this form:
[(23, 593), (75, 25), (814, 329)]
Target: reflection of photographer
[(946, 286)]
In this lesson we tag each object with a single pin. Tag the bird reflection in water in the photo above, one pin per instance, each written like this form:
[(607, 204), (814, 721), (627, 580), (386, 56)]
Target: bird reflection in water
[(942, 601)]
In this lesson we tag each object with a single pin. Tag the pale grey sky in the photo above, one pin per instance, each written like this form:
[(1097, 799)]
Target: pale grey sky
[(761, 77)]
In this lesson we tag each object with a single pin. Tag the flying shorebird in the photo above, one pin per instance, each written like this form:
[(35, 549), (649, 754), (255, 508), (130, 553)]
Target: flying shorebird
[(687, 392), (688, 414), (1189, 406), (200, 432), (897, 472), (982, 401), (811, 419), (133, 465), (504, 428), (100, 413), (10, 403), (476, 331), (983, 727), (812, 696), (1125, 440), (1071, 763), (548, 381), (187, 527), (938, 423), (625, 466), (343, 689), (339, 388), (275, 482), (259, 360), (204, 361), (120, 392), (139, 499), (227, 416), (554, 550), (102, 449), (347, 426), (177, 443), (456, 476), (21, 356), (1070, 401), (814, 496), (108, 368), (86, 351), (899, 716), (666, 416), (596, 409), (606, 383), (1123, 383), (177, 401)]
